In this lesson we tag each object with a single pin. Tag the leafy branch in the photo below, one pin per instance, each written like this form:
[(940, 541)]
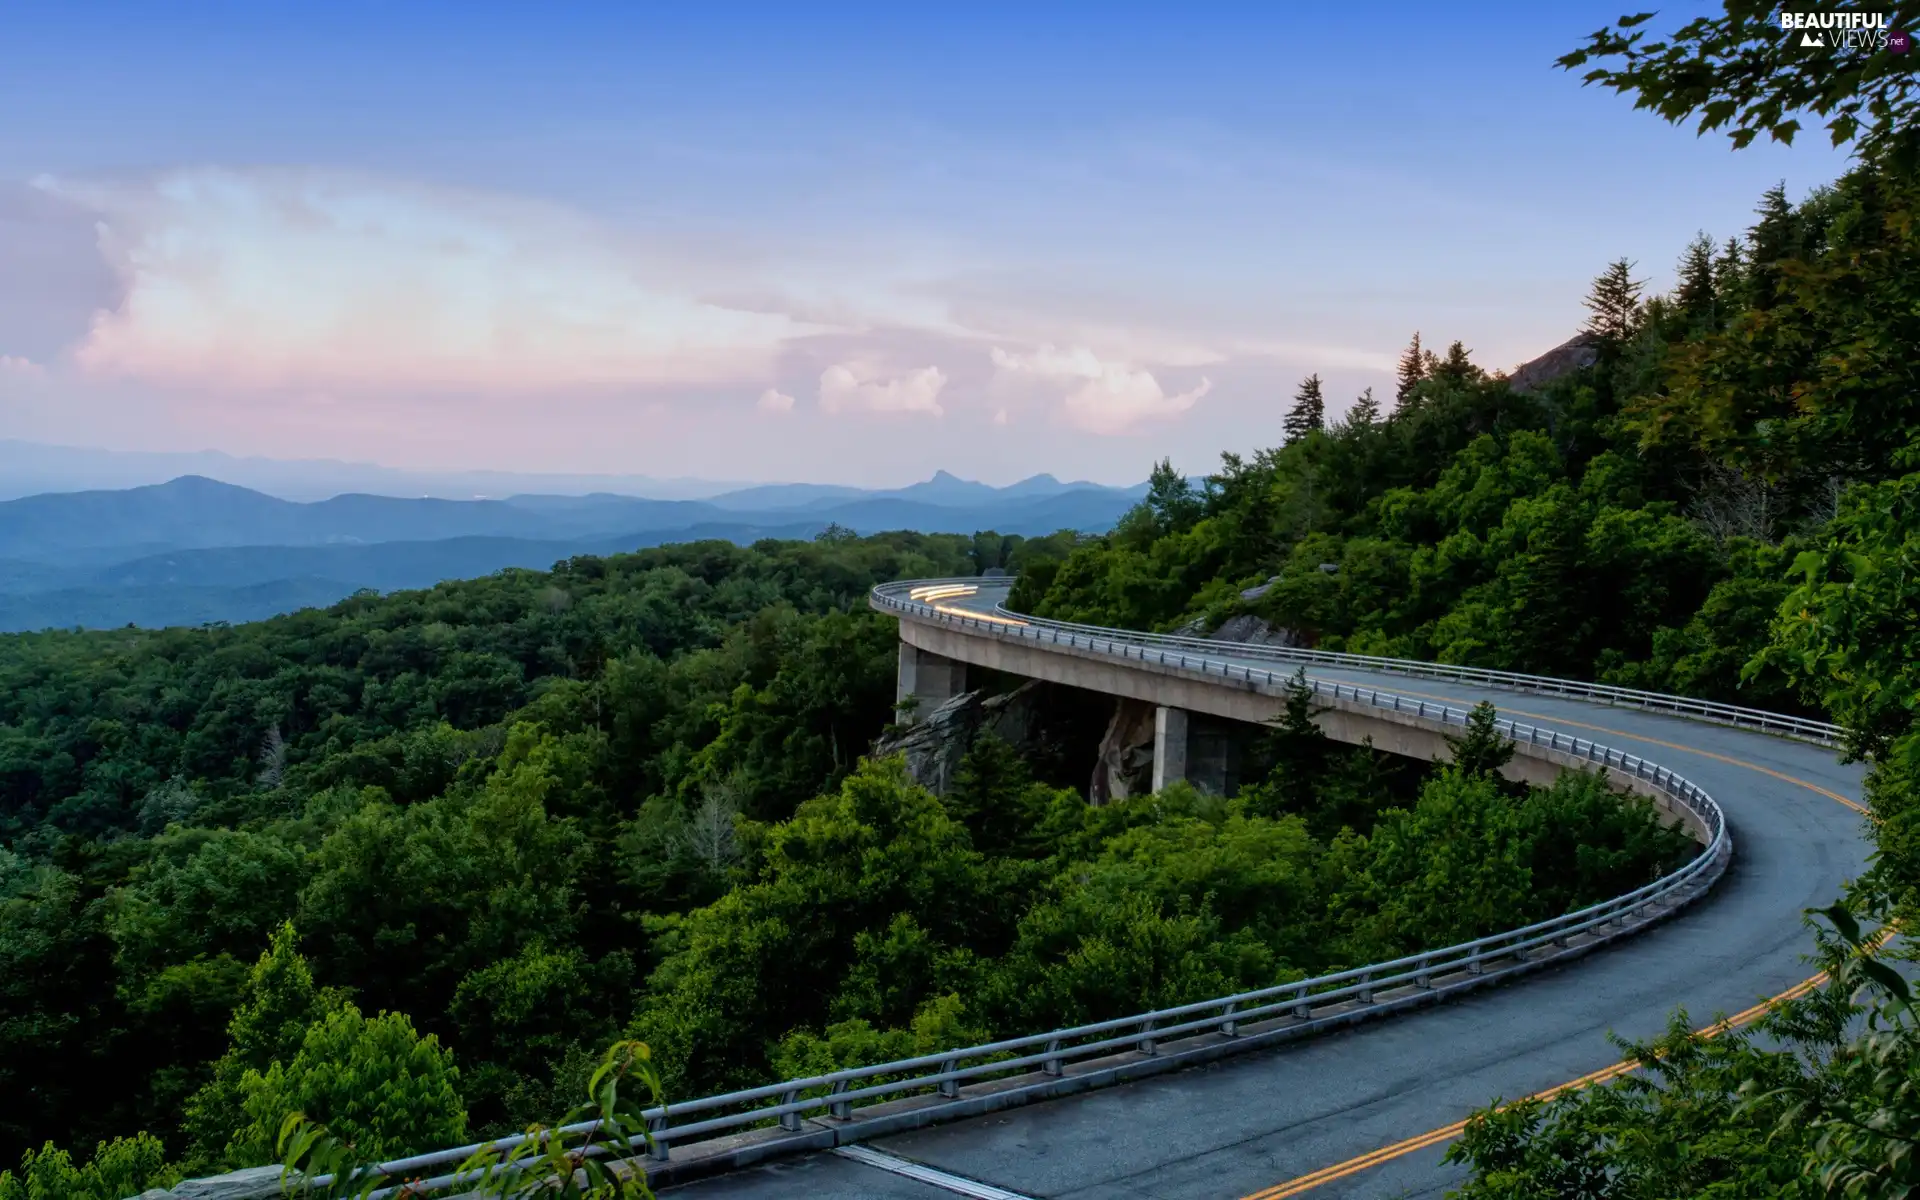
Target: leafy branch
[(591, 1155), (1745, 73)]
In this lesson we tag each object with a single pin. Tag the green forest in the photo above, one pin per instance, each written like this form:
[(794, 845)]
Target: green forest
[(411, 863)]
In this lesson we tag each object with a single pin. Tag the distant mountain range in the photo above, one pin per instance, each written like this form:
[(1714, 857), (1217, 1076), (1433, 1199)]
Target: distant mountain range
[(32, 468), (29, 468), (195, 549)]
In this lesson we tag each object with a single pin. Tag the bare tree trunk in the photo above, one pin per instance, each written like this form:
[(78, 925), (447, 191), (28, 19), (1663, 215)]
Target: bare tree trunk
[(273, 759), (1730, 503)]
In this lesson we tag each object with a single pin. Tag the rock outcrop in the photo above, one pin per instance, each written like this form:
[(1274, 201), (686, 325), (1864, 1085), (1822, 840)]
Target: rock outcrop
[(1245, 627), (935, 744), (1577, 352), (1125, 763)]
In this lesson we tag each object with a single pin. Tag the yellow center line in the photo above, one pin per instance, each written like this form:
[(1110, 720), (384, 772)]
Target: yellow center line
[(1353, 1166), (1447, 1133)]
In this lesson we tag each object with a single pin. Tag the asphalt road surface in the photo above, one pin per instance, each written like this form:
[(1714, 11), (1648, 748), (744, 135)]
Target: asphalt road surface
[(1259, 1124)]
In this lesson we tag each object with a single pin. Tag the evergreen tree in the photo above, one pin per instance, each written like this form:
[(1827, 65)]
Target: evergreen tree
[(1774, 238), (1365, 411), (1698, 295), (1413, 368), (1171, 499), (1309, 412), (1457, 366), (1614, 303), (1482, 749), (1300, 750), (1729, 276)]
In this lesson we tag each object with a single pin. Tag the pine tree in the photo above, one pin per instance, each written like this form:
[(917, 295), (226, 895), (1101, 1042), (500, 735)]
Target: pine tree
[(1730, 276), (1171, 499), (1365, 411), (1774, 238), (1482, 749), (1457, 366), (1300, 751), (1614, 303), (1309, 412), (1413, 368), (1698, 296)]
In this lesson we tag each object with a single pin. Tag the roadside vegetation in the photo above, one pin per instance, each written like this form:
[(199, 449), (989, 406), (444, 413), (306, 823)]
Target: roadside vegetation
[(408, 865)]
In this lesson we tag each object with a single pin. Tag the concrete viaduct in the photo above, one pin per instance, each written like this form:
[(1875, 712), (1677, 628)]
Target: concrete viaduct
[(1366, 1113), (1348, 1085)]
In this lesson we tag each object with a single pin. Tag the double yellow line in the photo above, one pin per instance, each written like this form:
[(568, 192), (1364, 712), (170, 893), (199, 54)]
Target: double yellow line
[(1446, 1133)]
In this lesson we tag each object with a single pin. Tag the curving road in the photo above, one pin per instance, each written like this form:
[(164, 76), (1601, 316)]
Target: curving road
[(1264, 1124)]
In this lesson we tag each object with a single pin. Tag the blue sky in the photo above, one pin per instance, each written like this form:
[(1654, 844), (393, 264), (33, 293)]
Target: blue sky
[(849, 243)]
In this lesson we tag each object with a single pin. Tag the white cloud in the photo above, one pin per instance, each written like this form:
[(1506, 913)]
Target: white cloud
[(857, 387), (772, 401), (1104, 397), (15, 365), (1000, 417), (313, 277)]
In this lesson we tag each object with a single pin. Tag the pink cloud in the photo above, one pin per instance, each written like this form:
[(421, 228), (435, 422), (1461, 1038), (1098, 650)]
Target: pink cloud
[(856, 387), (314, 278), (1104, 396)]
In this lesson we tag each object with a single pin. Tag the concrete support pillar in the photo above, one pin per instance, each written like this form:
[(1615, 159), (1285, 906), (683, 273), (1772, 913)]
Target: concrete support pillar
[(1169, 746), (928, 678)]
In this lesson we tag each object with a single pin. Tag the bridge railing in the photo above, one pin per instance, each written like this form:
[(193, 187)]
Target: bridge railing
[(896, 597), (842, 1098)]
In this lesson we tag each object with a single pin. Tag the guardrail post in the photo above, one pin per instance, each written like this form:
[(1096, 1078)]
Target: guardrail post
[(840, 1109), (1477, 964), (1051, 1065), (657, 1148), (790, 1121), (1147, 1045), (1366, 989), (1229, 1027), (949, 1088), (1303, 1011)]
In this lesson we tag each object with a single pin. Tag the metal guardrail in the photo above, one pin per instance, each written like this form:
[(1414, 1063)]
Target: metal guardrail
[(840, 1095), (895, 597)]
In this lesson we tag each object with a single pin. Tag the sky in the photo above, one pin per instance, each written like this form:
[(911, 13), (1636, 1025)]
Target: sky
[(836, 243)]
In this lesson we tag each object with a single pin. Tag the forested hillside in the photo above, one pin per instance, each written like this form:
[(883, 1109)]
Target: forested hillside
[(1631, 522), (409, 863)]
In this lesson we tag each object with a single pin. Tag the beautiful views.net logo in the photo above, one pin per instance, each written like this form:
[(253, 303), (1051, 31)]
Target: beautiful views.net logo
[(1867, 31)]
